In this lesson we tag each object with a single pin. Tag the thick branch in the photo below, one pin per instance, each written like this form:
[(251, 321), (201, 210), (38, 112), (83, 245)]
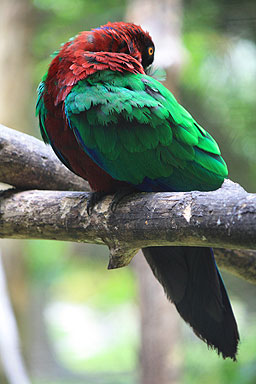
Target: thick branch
[(224, 218)]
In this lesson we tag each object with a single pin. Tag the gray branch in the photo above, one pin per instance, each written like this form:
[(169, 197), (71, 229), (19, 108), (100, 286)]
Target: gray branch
[(221, 219)]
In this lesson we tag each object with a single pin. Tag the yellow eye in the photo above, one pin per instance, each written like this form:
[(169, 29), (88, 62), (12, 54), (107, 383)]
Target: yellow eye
[(150, 51)]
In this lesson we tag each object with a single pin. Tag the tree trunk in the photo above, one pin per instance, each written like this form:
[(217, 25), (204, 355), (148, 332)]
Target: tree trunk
[(160, 326), (159, 358), (15, 63), (15, 91), (16, 32)]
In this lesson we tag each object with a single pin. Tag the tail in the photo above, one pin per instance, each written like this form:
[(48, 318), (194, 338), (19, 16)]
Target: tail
[(191, 280)]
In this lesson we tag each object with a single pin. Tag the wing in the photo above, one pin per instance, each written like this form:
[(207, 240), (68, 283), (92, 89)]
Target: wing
[(134, 129), (41, 110)]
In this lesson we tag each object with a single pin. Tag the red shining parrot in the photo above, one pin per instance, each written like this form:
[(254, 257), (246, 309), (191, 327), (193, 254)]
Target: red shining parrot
[(113, 124)]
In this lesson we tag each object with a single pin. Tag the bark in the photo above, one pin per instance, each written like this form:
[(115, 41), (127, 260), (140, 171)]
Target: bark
[(224, 218)]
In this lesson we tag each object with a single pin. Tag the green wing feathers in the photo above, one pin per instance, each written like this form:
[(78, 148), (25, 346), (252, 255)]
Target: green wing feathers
[(134, 128), (41, 110)]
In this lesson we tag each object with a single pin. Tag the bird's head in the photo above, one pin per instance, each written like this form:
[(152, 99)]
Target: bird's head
[(126, 38), (118, 37)]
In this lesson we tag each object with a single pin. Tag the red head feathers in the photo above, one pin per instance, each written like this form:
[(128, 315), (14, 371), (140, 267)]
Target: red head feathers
[(128, 38)]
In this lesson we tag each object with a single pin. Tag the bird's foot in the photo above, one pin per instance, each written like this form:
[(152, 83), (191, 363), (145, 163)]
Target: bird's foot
[(94, 199), (120, 195)]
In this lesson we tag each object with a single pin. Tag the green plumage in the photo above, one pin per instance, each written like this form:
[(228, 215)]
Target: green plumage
[(41, 110), (133, 127)]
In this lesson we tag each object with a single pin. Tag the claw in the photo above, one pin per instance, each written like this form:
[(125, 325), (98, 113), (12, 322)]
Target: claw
[(94, 199)]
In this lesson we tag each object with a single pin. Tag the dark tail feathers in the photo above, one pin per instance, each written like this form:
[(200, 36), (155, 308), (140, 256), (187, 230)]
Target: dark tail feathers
[(193, 283)]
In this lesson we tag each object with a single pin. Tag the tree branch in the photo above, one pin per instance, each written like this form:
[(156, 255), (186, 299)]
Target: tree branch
[(224, 218), (241, 263)]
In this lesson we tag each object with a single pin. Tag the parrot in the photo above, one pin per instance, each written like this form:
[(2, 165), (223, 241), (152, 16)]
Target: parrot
[(112, 123)]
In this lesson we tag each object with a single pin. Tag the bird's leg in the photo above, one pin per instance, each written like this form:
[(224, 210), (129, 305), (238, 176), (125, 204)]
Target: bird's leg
[(120, 195), (94, 199)]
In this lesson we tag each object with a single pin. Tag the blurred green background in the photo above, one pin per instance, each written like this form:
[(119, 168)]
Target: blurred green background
[(78, 322)]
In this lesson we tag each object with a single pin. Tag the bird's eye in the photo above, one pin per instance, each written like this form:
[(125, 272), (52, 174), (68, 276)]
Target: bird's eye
[(150, 51)]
